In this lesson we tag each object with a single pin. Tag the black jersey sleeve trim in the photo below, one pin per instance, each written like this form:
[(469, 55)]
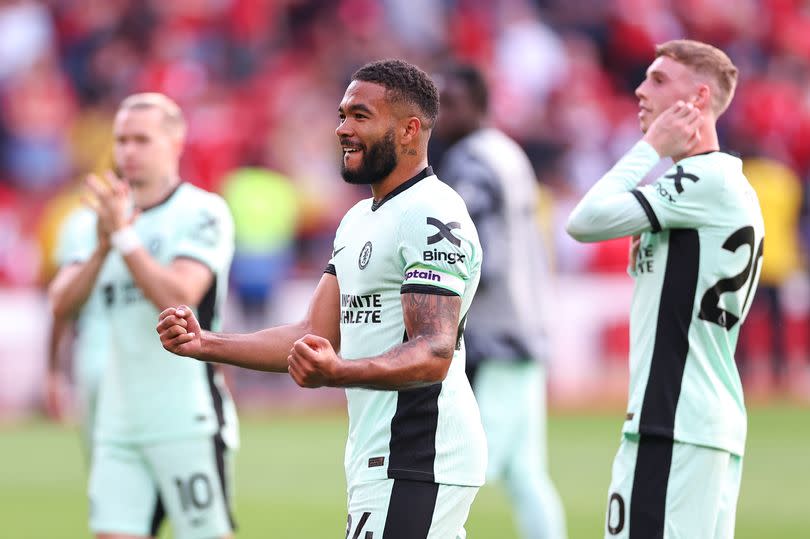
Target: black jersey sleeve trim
[(426, 289), (645, 205), (330, 268)]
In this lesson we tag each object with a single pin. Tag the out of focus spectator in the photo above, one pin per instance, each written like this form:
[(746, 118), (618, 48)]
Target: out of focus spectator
[(259, 80), (26, 34), (265, 209), (779, 191), (37, 107)]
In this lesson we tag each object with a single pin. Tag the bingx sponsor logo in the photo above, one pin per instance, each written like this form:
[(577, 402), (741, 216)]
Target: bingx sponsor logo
[(445, 232)]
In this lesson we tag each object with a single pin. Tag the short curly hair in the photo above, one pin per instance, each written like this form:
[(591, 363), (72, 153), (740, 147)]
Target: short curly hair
[(404, 83)]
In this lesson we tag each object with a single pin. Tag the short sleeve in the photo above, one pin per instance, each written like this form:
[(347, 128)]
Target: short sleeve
[(208, 234), (77, 238), (440, 250), (683, 197), (338, 244)]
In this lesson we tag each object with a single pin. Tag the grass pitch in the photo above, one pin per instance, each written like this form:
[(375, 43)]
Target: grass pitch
[(290, 478)]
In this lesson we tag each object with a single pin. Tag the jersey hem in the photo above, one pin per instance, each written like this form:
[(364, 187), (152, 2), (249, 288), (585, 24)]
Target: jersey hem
[(734, 449), (442, 481), (412, 475), (114, 440)]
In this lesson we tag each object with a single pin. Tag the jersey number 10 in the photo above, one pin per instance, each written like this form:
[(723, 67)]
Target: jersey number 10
[(710, 309)]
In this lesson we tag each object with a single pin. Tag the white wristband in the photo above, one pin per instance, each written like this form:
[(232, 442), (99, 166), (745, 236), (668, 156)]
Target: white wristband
[(125, 240)]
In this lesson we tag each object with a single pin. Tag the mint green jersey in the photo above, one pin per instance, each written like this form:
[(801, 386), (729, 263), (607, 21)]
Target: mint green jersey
[(418, 239), (147, 393), (696, 274), (91, 348), (697, 269)]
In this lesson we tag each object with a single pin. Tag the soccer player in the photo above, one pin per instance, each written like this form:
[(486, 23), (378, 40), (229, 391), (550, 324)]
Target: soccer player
[(696, 266), (506, 336), (166, 428), (392, 303), (86, 327)]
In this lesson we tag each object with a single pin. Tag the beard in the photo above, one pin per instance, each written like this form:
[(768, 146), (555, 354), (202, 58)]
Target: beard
[(379, 160)]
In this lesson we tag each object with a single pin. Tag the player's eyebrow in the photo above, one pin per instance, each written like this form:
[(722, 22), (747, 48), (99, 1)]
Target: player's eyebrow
[(657, 72), (356, 107)]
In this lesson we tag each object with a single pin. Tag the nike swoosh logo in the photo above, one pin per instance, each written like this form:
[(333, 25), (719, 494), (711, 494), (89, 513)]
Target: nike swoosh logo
[(336, 251)]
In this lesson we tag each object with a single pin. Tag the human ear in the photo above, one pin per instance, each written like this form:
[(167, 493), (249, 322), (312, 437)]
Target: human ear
[(410, 129), (703, 98)]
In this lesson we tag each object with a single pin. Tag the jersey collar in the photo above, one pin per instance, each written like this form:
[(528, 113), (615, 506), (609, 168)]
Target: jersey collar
[(164, 200), (707, 152), (427, 171)]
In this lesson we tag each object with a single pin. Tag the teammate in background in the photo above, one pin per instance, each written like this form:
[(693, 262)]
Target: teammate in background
[(166, 428), (391, 301), (678, 468), (86, 329), (506, 333)]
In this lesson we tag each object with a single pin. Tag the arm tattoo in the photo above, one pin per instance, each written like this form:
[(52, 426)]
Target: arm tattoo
[(434, 318)]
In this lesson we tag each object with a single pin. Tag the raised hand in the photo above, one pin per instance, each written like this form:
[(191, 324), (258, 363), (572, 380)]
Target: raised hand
[(312, 362), (110, 201), (676, 131), (180, 332)]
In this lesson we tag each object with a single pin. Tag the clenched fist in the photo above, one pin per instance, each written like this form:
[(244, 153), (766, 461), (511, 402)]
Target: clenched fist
[(180, 332)]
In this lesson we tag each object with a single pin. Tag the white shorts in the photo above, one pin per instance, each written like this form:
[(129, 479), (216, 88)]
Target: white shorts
[(133, 487), (403, 509), (671, 490)]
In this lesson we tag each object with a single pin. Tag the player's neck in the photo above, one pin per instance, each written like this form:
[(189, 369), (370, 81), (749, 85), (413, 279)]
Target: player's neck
[(157, 194), (708, 143), (404, 171)]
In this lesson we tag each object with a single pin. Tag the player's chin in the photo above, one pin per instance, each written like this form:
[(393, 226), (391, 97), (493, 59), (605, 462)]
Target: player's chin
[(643, 125)]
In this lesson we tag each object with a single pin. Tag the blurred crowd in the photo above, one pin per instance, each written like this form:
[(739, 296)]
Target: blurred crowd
[(260, 80)]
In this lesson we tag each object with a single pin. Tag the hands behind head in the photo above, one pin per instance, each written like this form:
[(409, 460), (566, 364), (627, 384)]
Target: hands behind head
[(676, 132), (180, 332)]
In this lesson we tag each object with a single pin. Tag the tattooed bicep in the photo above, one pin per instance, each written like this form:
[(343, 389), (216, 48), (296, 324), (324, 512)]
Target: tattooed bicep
[(431, 315)]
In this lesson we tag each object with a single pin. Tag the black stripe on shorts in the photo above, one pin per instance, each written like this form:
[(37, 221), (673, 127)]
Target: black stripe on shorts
[(410, 509), (158, 516), (649, 497), (219, 451)]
